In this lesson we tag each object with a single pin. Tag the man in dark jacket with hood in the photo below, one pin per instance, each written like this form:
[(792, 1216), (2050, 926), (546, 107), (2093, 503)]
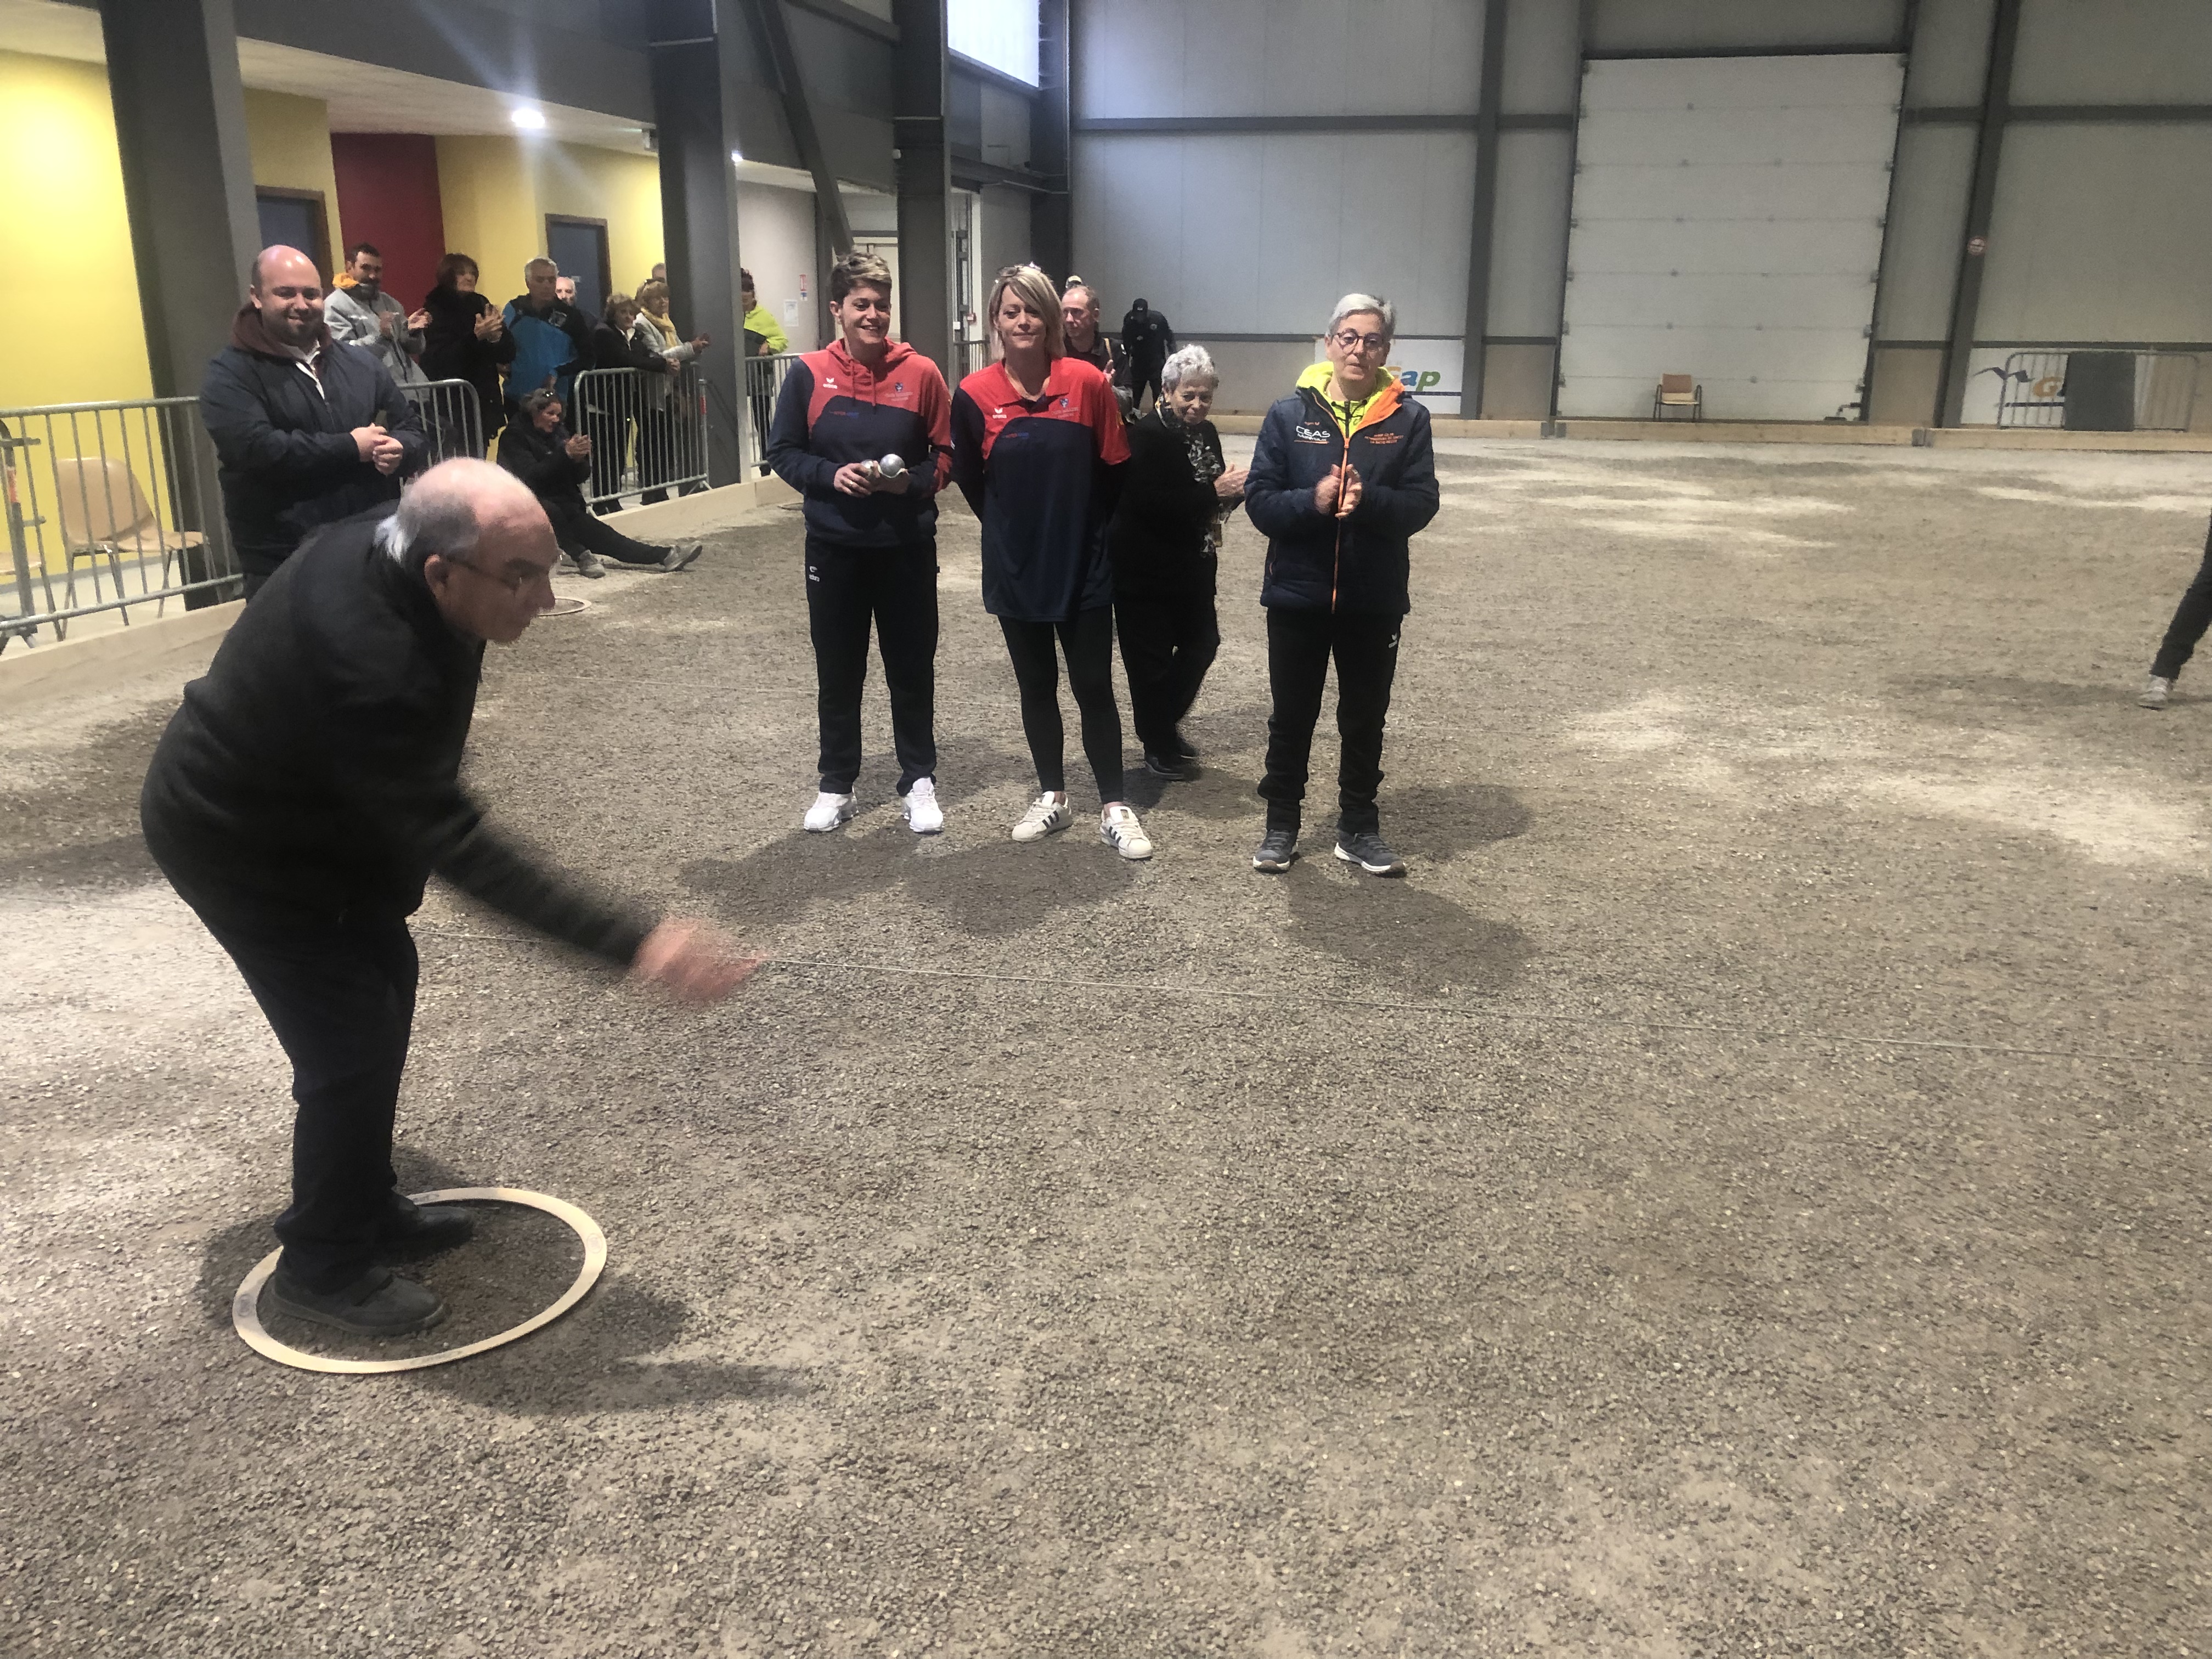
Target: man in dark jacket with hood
[(1342, 476), (300, 799), (309, 431), (1149, 339)]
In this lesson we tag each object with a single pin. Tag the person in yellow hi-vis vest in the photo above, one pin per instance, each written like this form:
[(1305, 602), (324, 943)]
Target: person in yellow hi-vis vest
[(763, 338)]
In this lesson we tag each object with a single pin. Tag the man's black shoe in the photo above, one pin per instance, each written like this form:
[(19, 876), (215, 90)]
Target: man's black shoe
[(375, 1304), (410, 1230), (1161, 766), (1278, 848), (1183, 748), (1369, 852)]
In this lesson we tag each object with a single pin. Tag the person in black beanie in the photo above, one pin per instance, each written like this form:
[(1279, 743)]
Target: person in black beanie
[(300, 799), (1166, 543)]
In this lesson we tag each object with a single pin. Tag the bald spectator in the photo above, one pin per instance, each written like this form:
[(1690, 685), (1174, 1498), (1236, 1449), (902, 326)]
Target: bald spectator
[(361, 314), (307, 432), (552, 338)]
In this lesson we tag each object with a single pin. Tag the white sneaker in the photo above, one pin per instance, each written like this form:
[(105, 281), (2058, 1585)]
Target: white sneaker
[(2155, 693), (923, 815), (1119, 829), (1048, 813), (829, 812)]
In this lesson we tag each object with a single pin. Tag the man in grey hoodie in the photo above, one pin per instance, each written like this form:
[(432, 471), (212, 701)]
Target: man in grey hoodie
[(361, 314)]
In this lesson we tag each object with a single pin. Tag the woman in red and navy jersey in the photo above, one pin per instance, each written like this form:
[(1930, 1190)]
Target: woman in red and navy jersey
[(871, 538), (1037, 448)]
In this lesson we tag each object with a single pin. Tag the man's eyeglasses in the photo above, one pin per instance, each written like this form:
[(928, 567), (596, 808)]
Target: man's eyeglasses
[(1373, 344), (515, 581)]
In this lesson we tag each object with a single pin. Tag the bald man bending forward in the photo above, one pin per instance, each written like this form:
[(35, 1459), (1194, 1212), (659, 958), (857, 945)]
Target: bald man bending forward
[(299, 801)]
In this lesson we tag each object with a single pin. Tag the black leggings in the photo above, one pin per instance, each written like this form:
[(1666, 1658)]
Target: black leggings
[(1088, 642), (2190, 618), (579, 532)]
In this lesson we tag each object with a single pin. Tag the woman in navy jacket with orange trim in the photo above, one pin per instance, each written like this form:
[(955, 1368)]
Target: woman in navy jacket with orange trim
[(1037, 447), (1342, 476)]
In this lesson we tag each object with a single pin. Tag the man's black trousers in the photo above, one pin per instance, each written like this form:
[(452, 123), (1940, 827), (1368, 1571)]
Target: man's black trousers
[(1167, 646), (1299, 646), (579, 532), (1145, 372), (2190, 618), (894, 590), (340, 995)]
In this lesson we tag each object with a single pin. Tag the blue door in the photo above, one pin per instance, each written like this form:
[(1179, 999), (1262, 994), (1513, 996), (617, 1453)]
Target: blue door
[(292, 222), (581, 251)]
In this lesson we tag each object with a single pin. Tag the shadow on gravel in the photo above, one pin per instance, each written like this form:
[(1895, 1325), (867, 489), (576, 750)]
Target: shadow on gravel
[(115, 861), (91, 793), (1403, 930), (596, 1357), (1953, 698)]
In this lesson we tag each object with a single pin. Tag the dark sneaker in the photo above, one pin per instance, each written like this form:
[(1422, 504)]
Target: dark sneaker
[(1161, 766), (1369, 852), (1183, 748), (376, 1305), (681, 558), (1278, 848), (417, 1229)]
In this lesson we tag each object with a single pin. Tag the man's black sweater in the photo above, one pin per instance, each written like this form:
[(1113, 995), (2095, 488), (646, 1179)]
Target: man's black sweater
[(315, 770)]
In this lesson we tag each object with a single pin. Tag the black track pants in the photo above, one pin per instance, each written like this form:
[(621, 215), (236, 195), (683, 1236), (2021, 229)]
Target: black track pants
[(1299, 646), (576, 529), (1088, 642), (894, 591), (1167, 646), (2190, 618)]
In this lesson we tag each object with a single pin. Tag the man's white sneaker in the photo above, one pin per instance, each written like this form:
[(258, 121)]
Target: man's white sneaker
[(1119, 829), (923, 815), (1047, 814), (2155, 693), (829, 812)]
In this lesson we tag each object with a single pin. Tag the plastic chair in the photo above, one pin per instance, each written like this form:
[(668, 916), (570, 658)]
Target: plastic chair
[(1678, 392), (104, 514)]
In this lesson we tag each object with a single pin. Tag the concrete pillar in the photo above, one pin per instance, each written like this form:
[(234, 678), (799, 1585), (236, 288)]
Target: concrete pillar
[(1052, 222), (925, 182), (187, 176), (694, 111)]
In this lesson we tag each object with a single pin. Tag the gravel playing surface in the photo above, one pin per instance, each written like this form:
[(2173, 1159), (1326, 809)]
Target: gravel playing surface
[(1745, 1192)]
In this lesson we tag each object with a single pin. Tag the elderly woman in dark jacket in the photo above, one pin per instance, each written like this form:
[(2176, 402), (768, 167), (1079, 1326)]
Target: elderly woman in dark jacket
[(554, 462), (467, 339), (1166, 541)]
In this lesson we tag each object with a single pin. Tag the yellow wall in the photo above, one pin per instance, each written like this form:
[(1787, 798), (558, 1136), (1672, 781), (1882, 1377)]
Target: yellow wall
[(69, 329), (497, 192), (290, 139)]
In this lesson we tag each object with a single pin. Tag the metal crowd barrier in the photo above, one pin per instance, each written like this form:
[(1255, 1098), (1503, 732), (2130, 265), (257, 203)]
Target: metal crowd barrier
[(452, 414), (649, 432), (2033, 390), (967, 356), (118, 498), (764, 379)]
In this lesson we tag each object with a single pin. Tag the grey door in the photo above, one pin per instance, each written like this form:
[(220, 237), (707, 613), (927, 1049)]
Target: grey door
[(293, 221), (580, 248)]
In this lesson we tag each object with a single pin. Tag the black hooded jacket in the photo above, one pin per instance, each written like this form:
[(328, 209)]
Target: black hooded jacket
[(315, 770), (289, 463), (451, 351)]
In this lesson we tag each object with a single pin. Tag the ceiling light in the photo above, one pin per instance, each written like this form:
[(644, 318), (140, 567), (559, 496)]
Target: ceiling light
[(530, 120)]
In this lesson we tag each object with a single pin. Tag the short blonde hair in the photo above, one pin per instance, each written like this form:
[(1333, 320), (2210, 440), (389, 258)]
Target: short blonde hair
[(1034, 289), (652, 292), (859, 270)]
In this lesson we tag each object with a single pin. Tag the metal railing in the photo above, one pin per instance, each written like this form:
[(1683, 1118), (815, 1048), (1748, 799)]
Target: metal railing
[(2032, 392), (452, 414), (967, 356), (120, 498), (764, 379), (649, 432)]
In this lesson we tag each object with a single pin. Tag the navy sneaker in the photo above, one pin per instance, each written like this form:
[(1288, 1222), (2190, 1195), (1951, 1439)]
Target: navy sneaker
[(375, 1304), (1369, 852), (1278, 848)]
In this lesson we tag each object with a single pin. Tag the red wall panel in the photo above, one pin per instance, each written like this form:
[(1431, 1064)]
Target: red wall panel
[(388, 195)]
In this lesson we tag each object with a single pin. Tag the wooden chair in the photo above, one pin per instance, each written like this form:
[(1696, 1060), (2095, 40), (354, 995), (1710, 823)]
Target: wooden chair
[(1678, 392), (105, 515)]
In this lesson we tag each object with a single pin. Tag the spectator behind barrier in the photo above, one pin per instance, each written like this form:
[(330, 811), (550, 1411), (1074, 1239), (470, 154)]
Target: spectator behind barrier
[(655, 330), (609, 408), (552, 340), (307, 434), (361, 314), (466, 339)]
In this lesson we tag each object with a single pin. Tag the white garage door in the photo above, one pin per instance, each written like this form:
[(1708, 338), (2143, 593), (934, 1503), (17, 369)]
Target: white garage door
[(1728, 224)]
